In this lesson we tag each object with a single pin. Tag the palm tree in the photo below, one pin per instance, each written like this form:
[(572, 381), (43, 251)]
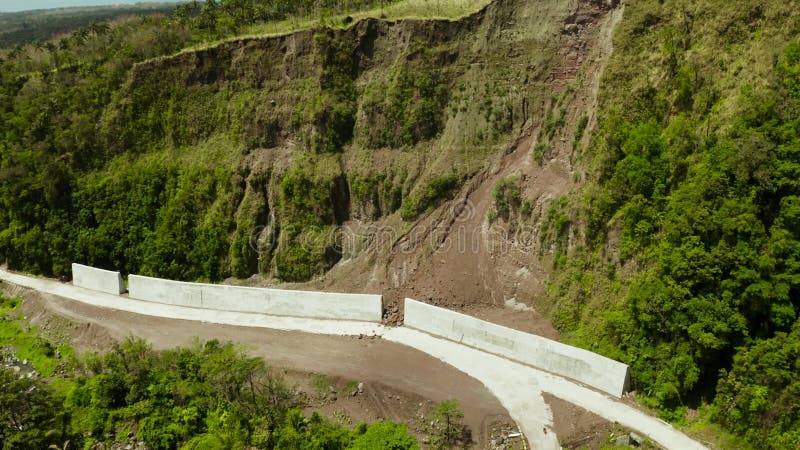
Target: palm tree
[(52, 49), (99, 28)]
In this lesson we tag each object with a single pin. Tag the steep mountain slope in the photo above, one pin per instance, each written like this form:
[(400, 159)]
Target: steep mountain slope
[(248, 157), (679, 255), (484, 246)]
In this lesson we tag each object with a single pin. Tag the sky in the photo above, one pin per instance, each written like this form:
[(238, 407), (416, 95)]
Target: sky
[(23, 5)]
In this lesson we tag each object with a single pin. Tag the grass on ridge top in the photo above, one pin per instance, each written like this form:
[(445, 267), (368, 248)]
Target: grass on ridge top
[(403, 9)]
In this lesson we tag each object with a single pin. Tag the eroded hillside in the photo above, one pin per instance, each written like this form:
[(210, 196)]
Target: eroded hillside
[(284, 157)]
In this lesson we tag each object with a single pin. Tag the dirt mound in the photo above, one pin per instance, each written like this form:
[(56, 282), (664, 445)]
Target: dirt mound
[(465, 256)]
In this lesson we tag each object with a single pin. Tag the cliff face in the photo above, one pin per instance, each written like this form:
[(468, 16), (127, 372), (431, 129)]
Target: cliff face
[(319, 154), (341, 145)]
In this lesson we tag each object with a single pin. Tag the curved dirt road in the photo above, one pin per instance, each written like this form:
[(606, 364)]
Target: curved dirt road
[(392, 360), (371, 360)]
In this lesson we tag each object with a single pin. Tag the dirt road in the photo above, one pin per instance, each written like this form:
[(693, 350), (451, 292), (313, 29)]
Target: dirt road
[(405, 358), (370, 360)]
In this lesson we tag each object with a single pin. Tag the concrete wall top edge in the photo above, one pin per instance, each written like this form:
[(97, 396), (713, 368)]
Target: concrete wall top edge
[(102, 280), (258, 289), (595, 370), (83, 266), (277, 302), (584, 352)]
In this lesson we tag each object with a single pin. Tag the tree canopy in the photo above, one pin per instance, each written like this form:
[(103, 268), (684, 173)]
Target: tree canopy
[(206, 396), (691, 214)]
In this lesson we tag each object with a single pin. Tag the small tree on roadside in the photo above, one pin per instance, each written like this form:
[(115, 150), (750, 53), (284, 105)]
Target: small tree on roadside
[(446, 428)]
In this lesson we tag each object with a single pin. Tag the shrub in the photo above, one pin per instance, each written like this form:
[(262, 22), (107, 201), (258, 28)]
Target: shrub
[(446, 428), (411, 108), (384, 435), (507, 196), (580, 127), (540, 151), (438, 188)]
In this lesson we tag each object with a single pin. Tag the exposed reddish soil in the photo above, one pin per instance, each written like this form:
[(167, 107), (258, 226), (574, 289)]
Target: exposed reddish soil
[(455, 256), (583, 429)]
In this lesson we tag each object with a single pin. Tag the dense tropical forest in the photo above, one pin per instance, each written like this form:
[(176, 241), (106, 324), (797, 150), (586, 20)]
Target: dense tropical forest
[(679, 255), (689, 221), (207, 397)]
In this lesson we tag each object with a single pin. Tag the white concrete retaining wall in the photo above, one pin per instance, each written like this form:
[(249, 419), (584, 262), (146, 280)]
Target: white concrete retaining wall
[(318, 305), (582, 365), (97, 279)]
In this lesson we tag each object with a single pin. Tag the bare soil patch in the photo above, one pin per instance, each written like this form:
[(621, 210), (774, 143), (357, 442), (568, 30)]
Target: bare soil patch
[(576, 427)]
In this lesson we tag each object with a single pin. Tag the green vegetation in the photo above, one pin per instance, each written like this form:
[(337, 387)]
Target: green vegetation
[(51, 101), (410, 108), (26, 412), (215, 20), (334, 114), (446, 428), (322, 383), (341, 17), (507, 196), (155, 217), (694, 193), (580, 127), (555, 119), (555, 230), (540, 151), (760, 395), (42, 25), (379, 192), (384, 435), (200, 397), (308, 241), (438, 188), (20, 340)]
